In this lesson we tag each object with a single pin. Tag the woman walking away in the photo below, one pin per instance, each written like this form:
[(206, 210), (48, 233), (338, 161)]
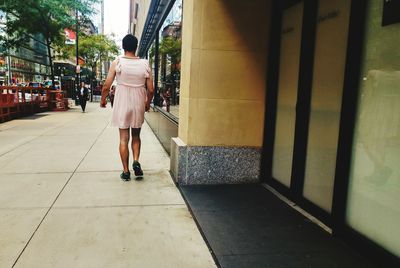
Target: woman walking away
[(130, 102)]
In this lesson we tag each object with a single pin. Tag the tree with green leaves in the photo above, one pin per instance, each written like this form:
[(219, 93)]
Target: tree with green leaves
[(95, 48), (46, 17), (152, 53), (170, 47)]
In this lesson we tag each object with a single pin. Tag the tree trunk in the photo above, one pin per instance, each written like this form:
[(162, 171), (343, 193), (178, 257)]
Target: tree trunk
[(48, 43)]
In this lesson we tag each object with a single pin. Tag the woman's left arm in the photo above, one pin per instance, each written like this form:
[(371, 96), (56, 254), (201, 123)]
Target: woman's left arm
[(150, 92), (149, 86)]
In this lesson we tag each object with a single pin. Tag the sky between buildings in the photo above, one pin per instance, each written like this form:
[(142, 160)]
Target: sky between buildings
[(116, 18)]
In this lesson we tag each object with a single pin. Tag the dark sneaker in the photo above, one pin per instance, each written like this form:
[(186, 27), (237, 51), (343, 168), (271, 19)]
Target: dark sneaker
[(138, 170), (125, 176)]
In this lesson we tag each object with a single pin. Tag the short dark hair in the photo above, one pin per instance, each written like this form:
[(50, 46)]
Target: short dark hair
[(129, 43)]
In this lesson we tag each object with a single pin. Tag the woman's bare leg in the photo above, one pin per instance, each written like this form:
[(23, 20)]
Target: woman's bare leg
[(124, 148), (136, 143)]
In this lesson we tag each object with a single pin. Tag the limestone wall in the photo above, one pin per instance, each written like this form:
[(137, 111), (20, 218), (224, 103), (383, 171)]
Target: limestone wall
[(223, 77)]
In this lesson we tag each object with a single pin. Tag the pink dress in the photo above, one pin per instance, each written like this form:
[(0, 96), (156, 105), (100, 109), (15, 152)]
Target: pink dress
[(130, 94)]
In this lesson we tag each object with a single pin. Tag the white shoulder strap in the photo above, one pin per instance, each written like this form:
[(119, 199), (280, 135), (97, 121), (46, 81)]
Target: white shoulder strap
[(118, 67)]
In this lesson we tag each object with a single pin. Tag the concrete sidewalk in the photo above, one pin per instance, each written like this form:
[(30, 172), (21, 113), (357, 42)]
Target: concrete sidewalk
[(62, 203)]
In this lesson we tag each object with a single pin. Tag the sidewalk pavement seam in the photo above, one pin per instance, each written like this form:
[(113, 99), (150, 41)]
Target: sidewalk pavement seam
[(62, 189), (22, 208), (36, 173), (77, 172), (115, 170), (122, 206), (41, 135)]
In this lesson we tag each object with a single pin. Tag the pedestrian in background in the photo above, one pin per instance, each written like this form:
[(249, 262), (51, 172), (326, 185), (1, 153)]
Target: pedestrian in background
[(167, 98), (112, 95), (83, 96), (133, 94)]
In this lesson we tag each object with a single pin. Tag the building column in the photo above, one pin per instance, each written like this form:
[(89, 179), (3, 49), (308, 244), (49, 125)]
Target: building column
[(223, 78)]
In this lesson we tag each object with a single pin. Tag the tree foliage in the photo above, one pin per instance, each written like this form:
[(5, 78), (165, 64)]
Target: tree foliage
[(46, 17), (97, 48), (171, 47), (94, 48), (152, 52)]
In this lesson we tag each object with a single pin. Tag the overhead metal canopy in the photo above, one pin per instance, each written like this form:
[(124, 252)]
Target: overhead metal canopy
[(158, 11)]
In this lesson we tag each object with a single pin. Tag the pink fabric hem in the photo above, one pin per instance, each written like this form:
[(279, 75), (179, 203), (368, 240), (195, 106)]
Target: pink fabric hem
[(125, 127)]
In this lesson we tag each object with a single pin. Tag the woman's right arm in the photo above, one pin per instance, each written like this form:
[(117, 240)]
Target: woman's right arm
[(107, 84)]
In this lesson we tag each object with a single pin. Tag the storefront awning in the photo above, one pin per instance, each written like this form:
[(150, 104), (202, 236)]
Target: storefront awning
[(158, 11)]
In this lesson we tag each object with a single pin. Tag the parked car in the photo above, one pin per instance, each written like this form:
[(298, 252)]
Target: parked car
[(48, 84), (34, 84)]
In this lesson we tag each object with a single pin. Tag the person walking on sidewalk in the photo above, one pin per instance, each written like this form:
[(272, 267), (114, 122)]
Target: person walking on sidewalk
[(111, 95), (131, 101), (167, 98), (83, 96)]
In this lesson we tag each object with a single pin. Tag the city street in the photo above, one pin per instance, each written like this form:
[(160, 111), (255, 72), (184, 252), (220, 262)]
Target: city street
[(272, 137), (62, 203)]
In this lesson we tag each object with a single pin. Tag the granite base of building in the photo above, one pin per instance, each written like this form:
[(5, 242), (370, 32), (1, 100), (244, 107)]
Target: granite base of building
[(191, 165)]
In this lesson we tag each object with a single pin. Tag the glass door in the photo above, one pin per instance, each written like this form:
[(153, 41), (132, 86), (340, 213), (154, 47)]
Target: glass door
[(326, 101), (312, 65), (292, 18)]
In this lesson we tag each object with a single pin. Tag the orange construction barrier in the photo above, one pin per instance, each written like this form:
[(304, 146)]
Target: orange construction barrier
[(21, 101), (59, 100)]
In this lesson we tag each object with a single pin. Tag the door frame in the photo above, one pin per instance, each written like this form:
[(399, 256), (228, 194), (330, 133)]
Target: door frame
[(354, 56), (294, 192)]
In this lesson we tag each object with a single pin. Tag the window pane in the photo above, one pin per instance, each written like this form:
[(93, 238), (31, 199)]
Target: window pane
[(326, 100), (287, 93), (169, 61), (374, 190)]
